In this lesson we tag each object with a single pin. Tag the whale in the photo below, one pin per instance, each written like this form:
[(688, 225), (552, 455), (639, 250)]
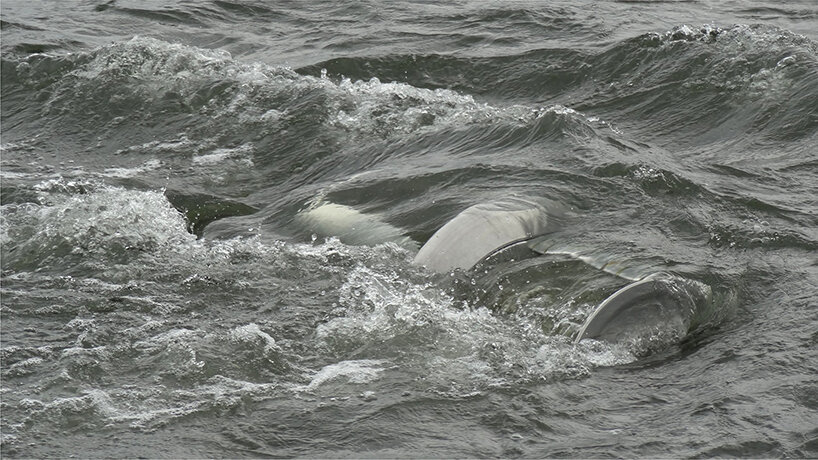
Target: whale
[(658, 298), (480, 231), (350, 226), (471, 236), (650, 298)]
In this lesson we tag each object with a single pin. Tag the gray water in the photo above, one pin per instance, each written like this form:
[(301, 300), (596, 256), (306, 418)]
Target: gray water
[(162, 298)]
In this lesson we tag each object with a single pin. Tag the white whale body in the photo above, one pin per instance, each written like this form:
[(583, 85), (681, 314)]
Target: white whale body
[(479, 231), (350, 226)]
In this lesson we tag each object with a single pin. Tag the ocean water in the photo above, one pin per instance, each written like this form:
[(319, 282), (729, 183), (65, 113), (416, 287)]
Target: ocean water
[(166, 291)]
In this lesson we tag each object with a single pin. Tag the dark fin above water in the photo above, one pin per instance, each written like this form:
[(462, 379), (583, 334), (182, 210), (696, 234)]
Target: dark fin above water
[(201, 209)]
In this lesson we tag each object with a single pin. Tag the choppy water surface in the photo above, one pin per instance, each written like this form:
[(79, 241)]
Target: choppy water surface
[(161, 297)]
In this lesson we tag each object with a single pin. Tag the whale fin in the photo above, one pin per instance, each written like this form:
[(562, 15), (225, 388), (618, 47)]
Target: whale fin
[(657, 300), (481, 230)]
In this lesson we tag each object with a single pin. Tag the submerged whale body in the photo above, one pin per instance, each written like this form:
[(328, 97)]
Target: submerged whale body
[(476, 233), (350, 226), (660, 300)]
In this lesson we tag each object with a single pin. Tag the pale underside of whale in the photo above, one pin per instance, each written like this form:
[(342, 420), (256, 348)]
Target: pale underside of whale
[(485, 229), (350, 226)]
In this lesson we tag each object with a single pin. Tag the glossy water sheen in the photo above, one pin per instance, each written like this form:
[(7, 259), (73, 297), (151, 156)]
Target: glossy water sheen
[(160, 297)]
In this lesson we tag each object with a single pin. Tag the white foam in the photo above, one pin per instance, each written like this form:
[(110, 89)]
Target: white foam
[(24, 367), (147, 408), (180, 146), (241, 154), (252, 333), (454, 346), (150, 165), (372, 106), (92, 217), (355, 371), (173, 336)]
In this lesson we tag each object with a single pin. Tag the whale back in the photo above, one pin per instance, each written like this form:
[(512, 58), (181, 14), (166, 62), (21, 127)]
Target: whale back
[(350, 226), (479, 231)]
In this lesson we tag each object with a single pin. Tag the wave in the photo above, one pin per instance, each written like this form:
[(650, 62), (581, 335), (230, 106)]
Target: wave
[(198, 103), (687, 86), (686, 79), (214, 115), (73, 221)]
